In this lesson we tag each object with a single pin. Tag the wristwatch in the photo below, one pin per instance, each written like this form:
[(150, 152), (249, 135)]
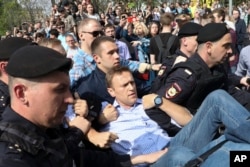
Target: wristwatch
[(158, 101)]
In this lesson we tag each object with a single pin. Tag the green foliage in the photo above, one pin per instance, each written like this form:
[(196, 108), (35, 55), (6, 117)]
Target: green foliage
[(11, 14)]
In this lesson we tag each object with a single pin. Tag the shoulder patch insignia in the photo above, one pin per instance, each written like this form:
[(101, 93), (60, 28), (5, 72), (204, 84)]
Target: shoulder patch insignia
[(161, 71), (173, 91)]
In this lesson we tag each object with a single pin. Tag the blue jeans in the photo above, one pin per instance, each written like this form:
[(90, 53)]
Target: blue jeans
[(196, 137)]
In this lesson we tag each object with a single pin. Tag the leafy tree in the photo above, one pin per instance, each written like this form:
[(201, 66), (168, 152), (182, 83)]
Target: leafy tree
[(11, 14)]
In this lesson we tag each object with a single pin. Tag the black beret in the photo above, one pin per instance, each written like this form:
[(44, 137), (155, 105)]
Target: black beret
[(189, 29), (10, 45), (36, 61), (212, 32)]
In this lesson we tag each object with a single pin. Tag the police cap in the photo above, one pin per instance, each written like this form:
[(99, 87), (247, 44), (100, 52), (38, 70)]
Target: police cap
[(189, 29), (10, 45), (36, 61), (212, 32)]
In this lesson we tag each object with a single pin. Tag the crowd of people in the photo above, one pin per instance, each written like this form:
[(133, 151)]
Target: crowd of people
[(163, 86)]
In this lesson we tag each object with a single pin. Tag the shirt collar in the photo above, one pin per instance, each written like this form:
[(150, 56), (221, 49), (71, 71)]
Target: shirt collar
[(138, 102)]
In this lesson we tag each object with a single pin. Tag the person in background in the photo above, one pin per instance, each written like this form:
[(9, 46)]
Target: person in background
[(240, 26), (73, 46), (53, 44), (91, 12), (7, 47), (53, 33), (154, 29)]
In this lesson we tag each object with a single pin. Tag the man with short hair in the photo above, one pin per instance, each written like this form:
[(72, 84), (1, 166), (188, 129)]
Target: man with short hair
[(53, 33), (73, 48), (70, 24), (188, 45), (109, 30), (62, 33), (166, 21)]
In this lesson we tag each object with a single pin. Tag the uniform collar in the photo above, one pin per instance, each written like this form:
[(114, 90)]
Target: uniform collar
[(197, 58), (9, 115), (179, 52)]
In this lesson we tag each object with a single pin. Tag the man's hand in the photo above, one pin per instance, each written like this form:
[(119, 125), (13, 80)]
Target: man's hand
[(80, 106), (148, 101), (153, 157), (103, 139), (122, 22), (245, 81), (148, 158), (80, 123), (156, 67), (109, 114)]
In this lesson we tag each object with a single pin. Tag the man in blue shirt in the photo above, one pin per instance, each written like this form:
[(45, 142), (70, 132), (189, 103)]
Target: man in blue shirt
[(88, 30), (137, 134), (93, 88)]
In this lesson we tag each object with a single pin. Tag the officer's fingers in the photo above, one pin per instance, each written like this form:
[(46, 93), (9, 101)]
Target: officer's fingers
[(107, 108), (113, 137), (76, 95)]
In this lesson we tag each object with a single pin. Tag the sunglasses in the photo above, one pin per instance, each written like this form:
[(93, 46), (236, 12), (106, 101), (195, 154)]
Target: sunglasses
[(61, 27), (94, 33)]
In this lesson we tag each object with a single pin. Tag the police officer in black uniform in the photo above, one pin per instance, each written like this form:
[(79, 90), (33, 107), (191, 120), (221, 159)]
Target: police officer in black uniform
[(188, 46), (30, 132), (7, 47), (190, 82)]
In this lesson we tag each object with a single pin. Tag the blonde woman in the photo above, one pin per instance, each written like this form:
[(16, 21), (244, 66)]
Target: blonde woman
[(142, 44)]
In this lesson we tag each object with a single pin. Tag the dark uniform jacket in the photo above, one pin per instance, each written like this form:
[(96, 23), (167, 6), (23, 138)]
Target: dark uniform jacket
[(190, 82), (4, 96), (23, 144)]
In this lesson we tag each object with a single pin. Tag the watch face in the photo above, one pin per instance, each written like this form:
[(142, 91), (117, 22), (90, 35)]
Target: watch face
[(158, 100)]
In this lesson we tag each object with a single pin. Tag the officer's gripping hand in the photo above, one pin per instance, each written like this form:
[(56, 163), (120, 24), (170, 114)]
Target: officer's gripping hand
[(109, 114), (148, 101), (143, 67), (80, 106), (245, 81), (103, 139), (156, 67), (80, 123)]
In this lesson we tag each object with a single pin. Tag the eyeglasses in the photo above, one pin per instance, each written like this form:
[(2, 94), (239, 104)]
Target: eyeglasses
[(61, 27), (94, 33), (70, 41)]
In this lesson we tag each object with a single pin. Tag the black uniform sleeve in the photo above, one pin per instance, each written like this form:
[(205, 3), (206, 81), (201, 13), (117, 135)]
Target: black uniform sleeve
[(178, 86), (99, 159), (234, 79)]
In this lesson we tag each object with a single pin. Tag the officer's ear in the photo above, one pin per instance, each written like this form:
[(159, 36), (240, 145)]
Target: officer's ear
[(20, 93), (3, 65), (209, 46)]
